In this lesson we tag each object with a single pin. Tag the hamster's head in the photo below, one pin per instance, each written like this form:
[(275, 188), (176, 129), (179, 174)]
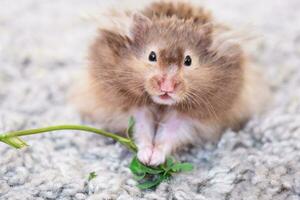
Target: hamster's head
[(168, 51), (173, 62)]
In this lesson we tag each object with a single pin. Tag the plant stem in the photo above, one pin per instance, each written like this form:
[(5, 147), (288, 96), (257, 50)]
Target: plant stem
[(125, 141)]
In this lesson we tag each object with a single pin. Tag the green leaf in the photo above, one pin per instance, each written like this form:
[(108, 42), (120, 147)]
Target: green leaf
[(92, 175), (151, 183), (168, 165), (182, 167), (151, 170), (14, 142), (167, 176), (138, 168), (139, 177), (130, 127), (169, 162)]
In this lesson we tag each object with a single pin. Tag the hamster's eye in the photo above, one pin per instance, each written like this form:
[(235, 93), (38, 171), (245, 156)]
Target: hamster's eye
[(152, 56), (187, 61)]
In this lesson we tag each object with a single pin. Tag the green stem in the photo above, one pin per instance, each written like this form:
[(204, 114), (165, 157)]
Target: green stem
[(125, 141)]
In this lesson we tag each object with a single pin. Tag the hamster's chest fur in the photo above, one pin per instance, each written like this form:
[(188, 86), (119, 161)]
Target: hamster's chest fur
[(170, 67)]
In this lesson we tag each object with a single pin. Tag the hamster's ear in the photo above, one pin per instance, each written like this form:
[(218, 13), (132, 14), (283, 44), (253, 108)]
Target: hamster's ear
[(204, 35), (117, 43), (140, 26)]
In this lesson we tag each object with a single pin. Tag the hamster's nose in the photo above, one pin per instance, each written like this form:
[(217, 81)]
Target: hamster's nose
[(167, 85)]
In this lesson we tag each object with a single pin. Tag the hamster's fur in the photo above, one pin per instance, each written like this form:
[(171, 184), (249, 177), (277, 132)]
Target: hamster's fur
[(173, 68)]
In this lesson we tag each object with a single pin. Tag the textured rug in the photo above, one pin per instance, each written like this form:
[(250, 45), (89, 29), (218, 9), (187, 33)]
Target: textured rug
[(43, 46)]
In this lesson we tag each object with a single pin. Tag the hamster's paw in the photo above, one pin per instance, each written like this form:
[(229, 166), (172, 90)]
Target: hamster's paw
[(151, 156), (144, 154), (158, 157)]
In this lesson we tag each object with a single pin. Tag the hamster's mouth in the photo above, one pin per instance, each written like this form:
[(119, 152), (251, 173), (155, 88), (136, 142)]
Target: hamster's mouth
[(165, 99), (165, 96)]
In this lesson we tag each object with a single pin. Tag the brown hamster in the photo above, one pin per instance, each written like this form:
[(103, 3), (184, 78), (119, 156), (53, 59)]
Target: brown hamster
[(172, 68)]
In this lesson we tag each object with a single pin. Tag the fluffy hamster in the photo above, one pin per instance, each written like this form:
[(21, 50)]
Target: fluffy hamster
[(174, 69)]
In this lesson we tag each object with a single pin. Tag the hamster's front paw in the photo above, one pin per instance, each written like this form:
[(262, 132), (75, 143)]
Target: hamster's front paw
[(151, 156), (158, 157), (144, 154)]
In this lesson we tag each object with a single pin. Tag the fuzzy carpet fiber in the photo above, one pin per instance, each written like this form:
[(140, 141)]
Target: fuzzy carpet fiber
[(43, 46)]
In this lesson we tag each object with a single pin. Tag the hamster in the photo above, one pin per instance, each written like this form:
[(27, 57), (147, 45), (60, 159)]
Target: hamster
[(172, 67)]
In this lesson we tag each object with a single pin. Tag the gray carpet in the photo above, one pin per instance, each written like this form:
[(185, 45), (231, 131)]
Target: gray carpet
[(42, 48)]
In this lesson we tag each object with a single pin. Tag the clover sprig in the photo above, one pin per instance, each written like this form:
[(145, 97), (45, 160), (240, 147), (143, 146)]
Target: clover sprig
[(148, 177)]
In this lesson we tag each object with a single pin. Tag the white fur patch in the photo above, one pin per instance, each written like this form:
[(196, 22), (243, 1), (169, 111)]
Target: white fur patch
[(158, 100)]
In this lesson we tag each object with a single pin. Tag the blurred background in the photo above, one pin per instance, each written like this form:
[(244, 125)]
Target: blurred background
[(43, 47)]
